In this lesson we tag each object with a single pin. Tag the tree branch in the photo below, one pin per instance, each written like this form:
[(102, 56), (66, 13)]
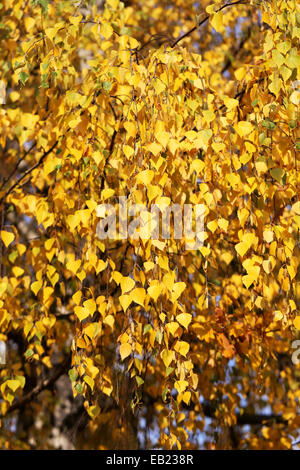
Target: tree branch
[(16, 166), (238, 2), (43, 385), (245, 418), (27, 172)]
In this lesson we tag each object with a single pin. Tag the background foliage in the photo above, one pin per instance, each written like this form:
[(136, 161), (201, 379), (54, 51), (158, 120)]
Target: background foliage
[(140, 343)]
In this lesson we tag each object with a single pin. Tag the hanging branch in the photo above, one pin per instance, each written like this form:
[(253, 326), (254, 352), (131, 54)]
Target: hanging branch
[(239, 2), (27, 172)]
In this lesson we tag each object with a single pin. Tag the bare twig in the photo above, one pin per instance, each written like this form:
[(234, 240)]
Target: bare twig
[(238, 2), (27, 172)]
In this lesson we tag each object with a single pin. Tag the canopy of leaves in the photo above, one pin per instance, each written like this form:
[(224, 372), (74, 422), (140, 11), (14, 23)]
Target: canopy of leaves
[(162, 102)]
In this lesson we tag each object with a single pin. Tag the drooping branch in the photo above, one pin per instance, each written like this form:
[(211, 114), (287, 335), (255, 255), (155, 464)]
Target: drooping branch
[(17, 166), (243, 419), (188, 33), (43, 385), (237, 50), (27, 172)]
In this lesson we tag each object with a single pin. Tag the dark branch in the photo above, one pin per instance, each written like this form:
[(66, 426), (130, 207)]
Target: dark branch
[(43, 385), (246, 418), (237, 50), (27, 172), (16, 166), (239, 2)]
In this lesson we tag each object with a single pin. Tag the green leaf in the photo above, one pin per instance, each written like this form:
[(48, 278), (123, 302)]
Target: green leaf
[(165, 393), (106, 86), (13, 256), (169, 371), (23, 77), (44, 83), (73, 374), (79, 388), (269, 124), (29, 353), (21, 379), (278, 174), (139, 380), (43, 4)]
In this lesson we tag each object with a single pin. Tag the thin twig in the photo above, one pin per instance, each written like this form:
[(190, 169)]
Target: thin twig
[(241, 2), (27, 172)]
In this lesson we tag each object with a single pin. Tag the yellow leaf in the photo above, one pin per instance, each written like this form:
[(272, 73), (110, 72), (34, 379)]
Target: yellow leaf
[(184, 319), (145, 177), (278, 315), (177, 289), (223, 224), (125, 350), (89, 381), (73, 266), (81, 312), (51, 32), (90, 305), (181, 385), (148, 265), (230, 103), (243, 128), (268, 236), (106, 30), (297, 322), (29, 23), (186, 397), (36, 286), (113, 3), (125, 301), (129, 151), (13, 384), (77, 297), (92, 330), (267, 266), (291, 270), (47, 292), (154, 148), (182, 347), (167, 357), (248, 280), (240, 73), (7, 237), (212, 226), (159, 244), (198, 83), (242, 248), (154, 291), (107, 193), (109, 320), (127, 284), (217, 21), (296, 208), (131, 128), (138, 296), (172, 327)]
